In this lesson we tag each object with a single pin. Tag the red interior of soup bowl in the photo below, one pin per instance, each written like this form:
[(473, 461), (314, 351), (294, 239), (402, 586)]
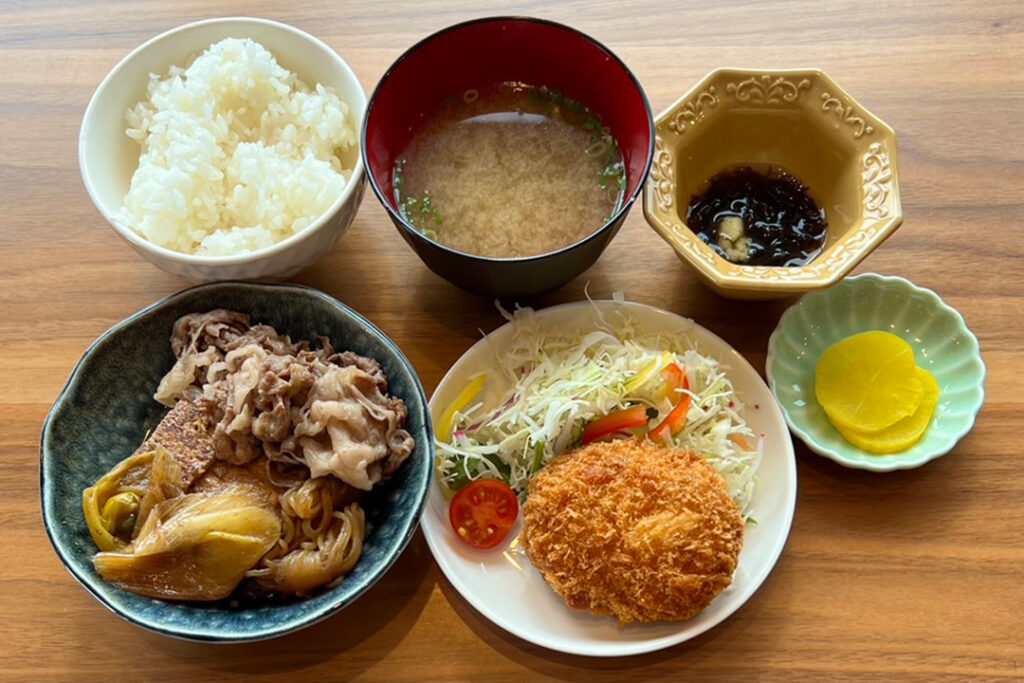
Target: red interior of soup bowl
[(497, 50)]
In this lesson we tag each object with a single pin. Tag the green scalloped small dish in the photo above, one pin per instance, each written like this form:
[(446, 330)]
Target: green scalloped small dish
[(942, 344)]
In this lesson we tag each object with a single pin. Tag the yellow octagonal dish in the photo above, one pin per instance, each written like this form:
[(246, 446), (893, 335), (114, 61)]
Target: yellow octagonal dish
[(799, 120)]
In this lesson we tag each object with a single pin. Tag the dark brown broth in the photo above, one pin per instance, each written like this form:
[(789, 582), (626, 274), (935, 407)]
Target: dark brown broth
[(782, 224)]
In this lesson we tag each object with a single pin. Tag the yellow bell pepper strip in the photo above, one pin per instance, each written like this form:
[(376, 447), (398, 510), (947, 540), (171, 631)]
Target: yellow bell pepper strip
[(640, 378), (444, 426)]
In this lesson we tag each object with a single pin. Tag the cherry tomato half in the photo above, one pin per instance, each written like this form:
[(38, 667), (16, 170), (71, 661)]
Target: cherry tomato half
[(483, 513)]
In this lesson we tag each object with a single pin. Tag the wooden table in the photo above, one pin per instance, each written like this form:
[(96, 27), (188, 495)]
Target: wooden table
[(909, 575)]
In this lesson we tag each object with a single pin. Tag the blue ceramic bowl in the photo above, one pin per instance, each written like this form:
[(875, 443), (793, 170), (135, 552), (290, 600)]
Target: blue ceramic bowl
[(107, 407)]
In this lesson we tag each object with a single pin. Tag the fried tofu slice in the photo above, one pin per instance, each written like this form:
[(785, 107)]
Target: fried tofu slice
[(634, 530), (186, 432)]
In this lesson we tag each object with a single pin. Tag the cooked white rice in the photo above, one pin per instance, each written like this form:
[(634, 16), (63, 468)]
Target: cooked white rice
[(237, 153)]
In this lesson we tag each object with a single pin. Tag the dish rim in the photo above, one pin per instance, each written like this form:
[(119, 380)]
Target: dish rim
[(893, 461), (138, 241), (212, 636), (637, 647)]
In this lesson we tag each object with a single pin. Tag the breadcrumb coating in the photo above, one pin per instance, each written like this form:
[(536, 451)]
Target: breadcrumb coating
[(631, 529)]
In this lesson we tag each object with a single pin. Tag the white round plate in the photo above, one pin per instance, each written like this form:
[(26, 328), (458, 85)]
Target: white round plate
[(503, 585)]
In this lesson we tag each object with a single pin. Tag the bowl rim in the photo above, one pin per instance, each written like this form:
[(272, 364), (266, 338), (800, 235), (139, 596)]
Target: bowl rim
[(315, 616), (782, 279), (140, 242), (614, 219), (892, 461)]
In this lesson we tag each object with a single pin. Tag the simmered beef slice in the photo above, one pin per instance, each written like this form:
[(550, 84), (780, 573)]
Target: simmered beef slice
[(186, 432)]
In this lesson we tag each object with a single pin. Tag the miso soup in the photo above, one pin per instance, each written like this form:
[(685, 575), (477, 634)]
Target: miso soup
[(510, 171)]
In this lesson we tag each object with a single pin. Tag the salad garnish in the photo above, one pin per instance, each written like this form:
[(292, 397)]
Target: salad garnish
[(556, 388)]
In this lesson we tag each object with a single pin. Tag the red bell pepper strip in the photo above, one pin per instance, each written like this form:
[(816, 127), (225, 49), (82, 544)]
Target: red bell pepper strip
[(673, 424), (739, 441), (675, 379), (614, 422)]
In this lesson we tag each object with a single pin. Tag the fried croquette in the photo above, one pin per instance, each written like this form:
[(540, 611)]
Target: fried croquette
[(631, 529)]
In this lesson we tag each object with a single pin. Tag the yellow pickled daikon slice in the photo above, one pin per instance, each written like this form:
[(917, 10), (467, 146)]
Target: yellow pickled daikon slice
[(868, 381), (906, 432)]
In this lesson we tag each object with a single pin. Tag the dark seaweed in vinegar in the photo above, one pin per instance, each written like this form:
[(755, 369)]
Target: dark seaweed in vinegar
[(758, 219)]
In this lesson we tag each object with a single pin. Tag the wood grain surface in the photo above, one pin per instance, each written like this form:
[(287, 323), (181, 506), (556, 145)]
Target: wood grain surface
[(913, 575)]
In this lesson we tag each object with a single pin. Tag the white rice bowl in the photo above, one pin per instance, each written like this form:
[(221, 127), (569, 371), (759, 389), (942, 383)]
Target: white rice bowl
[(237, 154)]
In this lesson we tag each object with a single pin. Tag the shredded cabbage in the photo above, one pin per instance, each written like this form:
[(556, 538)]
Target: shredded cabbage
[(561, 379)]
